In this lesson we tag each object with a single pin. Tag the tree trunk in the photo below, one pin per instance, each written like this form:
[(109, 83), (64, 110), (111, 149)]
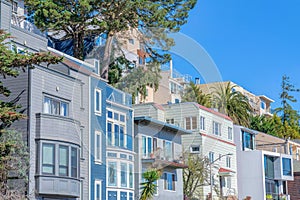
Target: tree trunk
[(78, 45), (106, 56)]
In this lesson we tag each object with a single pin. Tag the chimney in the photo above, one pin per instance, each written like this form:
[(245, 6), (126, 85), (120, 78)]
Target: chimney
[(197, 81)]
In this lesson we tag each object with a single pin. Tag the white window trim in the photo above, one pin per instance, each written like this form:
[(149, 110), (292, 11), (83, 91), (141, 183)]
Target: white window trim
[(191, 123), (118, 122), (231, 133), (191, 149), (219, 128), (202, 126), (98, 112), (98, 161), (146, 146), (98, 182), (172, 182)]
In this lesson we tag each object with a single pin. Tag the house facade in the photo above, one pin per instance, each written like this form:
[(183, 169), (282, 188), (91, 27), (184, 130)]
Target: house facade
[(270, 171), (212, 137), (158, 146), (261, 104)]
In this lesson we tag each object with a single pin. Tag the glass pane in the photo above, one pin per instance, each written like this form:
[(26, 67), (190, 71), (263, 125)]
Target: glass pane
[(144, 146), (55, 107), (109, 133), (74, 162), (149, 146), (130, 176), (48, 158), (47, 107), (129, 142), (117, 135), (63, 160), (98, 146), (122, 118), (112, 173), (123, 174), (109, 114), (64, 109), (98, 191), (116, 116), (97, 101), (122, 136)]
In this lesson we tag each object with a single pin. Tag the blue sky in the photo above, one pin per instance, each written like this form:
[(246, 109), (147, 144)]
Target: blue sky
[(252, 42)]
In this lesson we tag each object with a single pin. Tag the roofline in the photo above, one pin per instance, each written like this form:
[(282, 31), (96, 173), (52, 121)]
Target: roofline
[(164, 124), (265, 97)]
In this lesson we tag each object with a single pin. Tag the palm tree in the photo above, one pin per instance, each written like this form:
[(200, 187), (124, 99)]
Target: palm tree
[(149, 187), (192, 93), (232, 103)]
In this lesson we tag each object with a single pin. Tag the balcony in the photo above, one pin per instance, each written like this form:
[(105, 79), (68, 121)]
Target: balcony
[(20, 22), (58, 186)]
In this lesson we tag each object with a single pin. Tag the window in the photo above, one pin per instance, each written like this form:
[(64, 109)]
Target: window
[(211, 156), (63, 160), (112, 174), (169, 181), (147, 146), (15, 7), (123, 174), (98, 99), (286, 167), (131, 41), (170, 121), (130, 176), (98, 189), (191, 123), (229, 182), (269, 166), (248, 140), (216, 128), (228, 162), (263, 105), (116, 130), (202, 123), (48, 157), (229, 133), (55, 107), (168, 149), (98, 152), (74, 162), (195, 149)]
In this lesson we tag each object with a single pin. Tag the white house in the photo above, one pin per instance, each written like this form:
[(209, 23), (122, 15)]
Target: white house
[(261, 174)]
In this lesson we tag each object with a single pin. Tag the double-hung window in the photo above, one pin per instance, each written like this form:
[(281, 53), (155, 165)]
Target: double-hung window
[(168, 149), (169, 181), (123, 174), (98, 146), (112, 173), (229, 133), (48, 158), (202, 123), (217, 128), (147, 146), (191, 123), (74, 162), (55, 106), (228, 162), (98, 99), (116, 130), (211, 156), (63, 160), (98, 189)]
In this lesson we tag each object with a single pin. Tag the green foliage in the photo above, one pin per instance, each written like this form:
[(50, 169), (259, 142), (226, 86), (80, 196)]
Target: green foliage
[(136, 82), (14, 165), (192, 93), (85, 18), (232, 103), (196, 175), (11, 63), (116, 68), (149, 187)]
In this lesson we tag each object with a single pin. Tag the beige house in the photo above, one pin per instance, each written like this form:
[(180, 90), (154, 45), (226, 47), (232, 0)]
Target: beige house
[(271, 143), (212, 137), (261, 104)]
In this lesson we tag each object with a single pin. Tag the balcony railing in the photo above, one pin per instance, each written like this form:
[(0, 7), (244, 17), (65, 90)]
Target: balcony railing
[(21, 22)]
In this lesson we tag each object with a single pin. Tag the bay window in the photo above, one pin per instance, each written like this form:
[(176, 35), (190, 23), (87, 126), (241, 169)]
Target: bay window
[(48, 156), (123, 174), (112, 174), (63, 160), (74, 162)]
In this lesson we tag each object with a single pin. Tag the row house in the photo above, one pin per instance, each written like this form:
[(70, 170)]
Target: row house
[(79, 130), (212, 137), (158, 145), (261, 104), (262, 174)]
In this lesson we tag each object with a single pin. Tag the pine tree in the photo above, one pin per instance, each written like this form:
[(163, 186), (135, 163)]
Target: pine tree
[(77, 20)]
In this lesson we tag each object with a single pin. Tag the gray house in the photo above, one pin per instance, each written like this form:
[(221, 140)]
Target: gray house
[(158, 145), (57, 114)]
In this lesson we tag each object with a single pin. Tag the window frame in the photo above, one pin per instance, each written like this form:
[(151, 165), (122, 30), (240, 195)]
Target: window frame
[(194, 146), (67, 159), (216, 128), (189, 126), (211, 156), (230, 133), (98, 151), (60, 103), (115, 165), (99, 103), (98, 183), (53, 159), (202, 123), (77, 163), (228, 161), (286, 172), (166, 181)]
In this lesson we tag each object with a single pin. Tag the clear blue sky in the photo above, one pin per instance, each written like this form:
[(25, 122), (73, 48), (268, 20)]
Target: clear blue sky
[(252, 42)]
